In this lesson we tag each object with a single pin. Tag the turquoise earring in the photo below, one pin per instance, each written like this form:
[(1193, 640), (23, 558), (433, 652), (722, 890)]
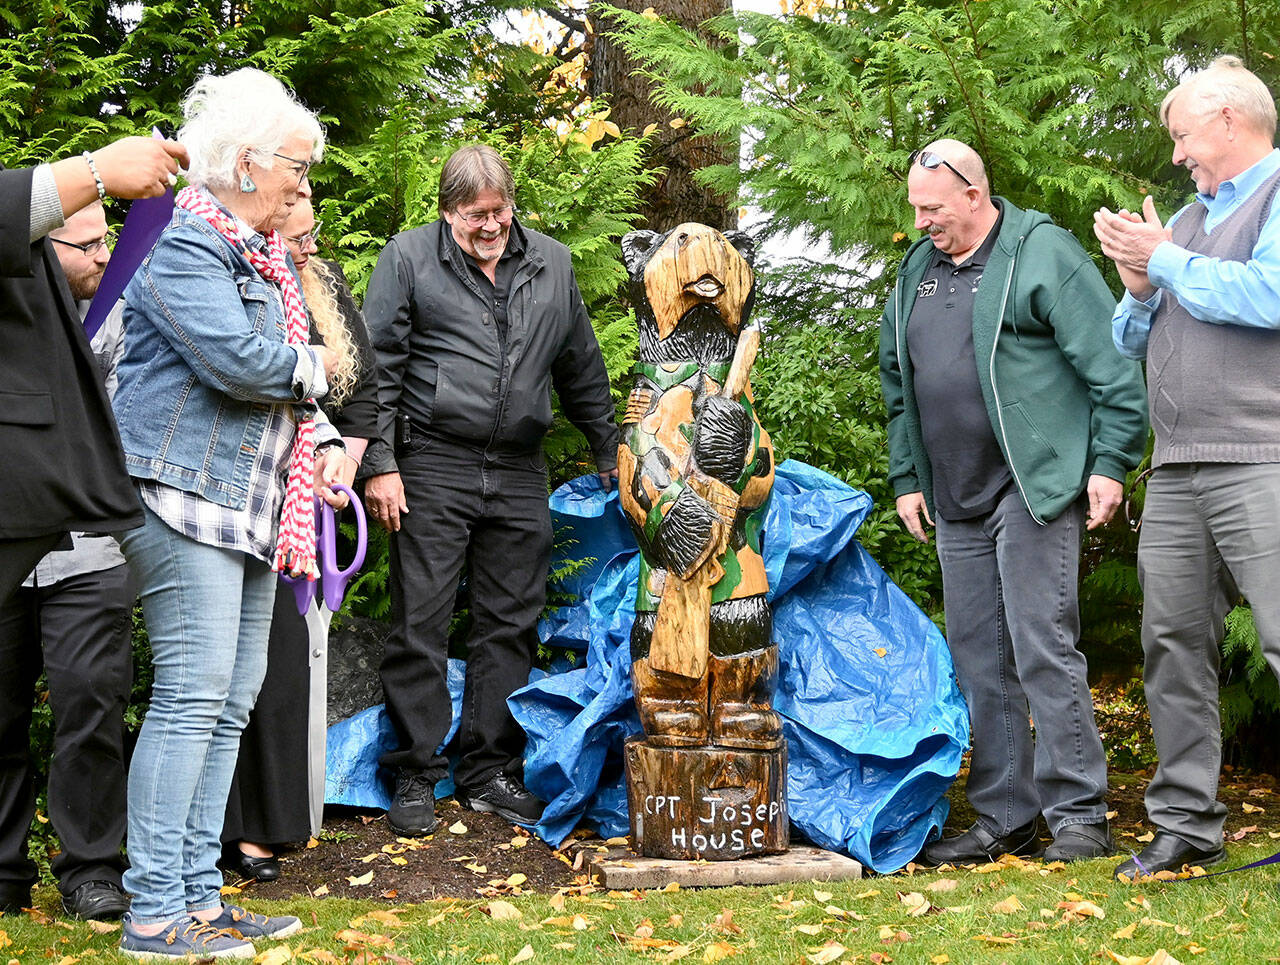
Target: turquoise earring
[(246, 184)]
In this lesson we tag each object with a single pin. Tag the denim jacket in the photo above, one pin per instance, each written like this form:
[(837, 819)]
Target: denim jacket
[(205, 359)]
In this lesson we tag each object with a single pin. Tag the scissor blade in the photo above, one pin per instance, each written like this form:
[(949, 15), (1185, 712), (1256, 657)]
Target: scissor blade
[(318, 619)]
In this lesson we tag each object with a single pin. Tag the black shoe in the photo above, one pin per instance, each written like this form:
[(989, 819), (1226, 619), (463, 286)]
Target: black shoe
[(1168, 852), (97, 901), (250, 866), (413, 809), (978, 844), (1076, 842), (503, 795)]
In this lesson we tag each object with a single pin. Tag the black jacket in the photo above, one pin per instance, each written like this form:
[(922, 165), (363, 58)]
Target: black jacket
[(63, 466), (446, 364)]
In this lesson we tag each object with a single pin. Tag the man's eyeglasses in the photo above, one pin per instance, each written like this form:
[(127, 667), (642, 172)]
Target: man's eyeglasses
[(92, 248), (931, 162), (300, 168), (312, 237), (478, 219)]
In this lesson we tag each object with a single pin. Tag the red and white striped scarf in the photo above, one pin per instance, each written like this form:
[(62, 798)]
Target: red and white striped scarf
[(296, 543)]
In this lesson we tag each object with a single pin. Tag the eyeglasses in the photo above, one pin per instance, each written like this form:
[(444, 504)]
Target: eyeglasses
[(93, 247), (931, 162), (478, 219), (300, 167), (312, 237)]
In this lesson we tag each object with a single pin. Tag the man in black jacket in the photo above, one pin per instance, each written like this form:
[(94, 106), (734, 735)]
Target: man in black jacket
[(64, 470), (474, 318)]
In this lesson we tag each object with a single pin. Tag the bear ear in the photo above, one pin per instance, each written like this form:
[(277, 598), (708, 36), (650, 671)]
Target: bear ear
[(746, 247), (637, 246)]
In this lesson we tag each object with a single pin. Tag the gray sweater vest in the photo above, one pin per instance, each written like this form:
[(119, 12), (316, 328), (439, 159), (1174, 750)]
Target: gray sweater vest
[(1214, 390)]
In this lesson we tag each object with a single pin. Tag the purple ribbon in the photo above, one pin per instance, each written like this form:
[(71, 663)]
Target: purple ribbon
[(142, 226)]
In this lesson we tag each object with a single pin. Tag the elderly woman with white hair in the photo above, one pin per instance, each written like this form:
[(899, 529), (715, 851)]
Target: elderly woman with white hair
[(226, 446)]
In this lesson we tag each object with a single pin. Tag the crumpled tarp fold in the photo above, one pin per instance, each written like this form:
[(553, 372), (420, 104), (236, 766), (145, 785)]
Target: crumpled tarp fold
[(874, 722)]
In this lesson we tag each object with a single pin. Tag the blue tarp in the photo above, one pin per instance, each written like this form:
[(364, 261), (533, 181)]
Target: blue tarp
[(874, 723)]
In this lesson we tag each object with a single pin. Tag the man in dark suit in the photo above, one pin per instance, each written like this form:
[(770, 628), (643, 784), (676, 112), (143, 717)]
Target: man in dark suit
[(64, 469), (64, 466)]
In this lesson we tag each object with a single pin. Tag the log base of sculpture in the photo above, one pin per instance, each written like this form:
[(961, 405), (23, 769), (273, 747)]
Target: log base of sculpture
[(715, 803)]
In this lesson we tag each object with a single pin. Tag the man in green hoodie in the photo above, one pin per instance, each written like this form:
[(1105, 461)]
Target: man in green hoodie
[(1012, 422)]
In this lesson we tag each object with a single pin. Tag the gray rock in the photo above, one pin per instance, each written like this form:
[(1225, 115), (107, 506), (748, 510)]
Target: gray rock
[(355, 653)]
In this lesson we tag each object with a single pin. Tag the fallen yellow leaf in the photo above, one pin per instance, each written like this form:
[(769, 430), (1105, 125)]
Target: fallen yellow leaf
[(1125, 932), (320, 892), (313, 843), (822, 896), (879, 651), (808, 929), (942, 884), (827, 953), (516, 880), (457, 828), (274, 956), (363, 879), (502, 911), (1008, 906), (1146, 838), (99, 927), (718, 951), (1251, 808), (524, 955)]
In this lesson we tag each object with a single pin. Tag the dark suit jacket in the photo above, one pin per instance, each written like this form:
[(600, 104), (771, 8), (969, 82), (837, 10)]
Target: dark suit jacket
[(63, 469)]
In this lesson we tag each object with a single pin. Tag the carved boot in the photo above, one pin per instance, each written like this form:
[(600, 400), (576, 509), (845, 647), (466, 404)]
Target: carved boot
[(673, 709), (742, 713)]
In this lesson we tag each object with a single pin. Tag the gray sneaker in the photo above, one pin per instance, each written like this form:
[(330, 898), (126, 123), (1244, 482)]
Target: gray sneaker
[(185, 937), (251, 925)]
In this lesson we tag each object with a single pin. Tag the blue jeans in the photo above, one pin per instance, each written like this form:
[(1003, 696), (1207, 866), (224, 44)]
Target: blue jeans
[(1010, 591), (208, 615)]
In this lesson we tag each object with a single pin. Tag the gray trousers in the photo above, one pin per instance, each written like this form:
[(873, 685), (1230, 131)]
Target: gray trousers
[(1010, 591), (1210, 531)]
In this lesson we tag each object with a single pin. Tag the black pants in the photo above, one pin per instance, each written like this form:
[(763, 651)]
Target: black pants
[(269, 803), (490, 514), (84, 625)]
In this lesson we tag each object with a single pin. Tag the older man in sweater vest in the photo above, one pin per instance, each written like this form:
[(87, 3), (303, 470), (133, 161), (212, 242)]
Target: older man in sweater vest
[(1203, 308)]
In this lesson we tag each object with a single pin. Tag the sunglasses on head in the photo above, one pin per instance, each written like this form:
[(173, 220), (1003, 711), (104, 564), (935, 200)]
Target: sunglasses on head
[(931, 162)]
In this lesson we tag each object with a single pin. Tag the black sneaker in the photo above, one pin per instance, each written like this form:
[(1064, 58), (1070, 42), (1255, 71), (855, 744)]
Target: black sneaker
[(413, 809), (504, 795), (97, 901)]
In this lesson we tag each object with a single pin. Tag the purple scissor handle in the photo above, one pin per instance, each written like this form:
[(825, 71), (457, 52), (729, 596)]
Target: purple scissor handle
[(333, 581)]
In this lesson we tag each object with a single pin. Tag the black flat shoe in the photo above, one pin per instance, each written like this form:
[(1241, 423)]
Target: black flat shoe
[(1168, 852), (979, 844), (1079, 842), (97, 901), (261, 869)]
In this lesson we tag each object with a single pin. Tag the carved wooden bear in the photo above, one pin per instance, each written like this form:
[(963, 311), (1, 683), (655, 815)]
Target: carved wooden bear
[(695, 473)]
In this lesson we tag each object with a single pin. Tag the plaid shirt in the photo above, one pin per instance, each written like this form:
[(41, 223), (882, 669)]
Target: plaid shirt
[(250, 530)]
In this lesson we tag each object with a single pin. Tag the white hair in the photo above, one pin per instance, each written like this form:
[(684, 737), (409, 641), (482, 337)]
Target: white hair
[(244, 112), (1227, 83)]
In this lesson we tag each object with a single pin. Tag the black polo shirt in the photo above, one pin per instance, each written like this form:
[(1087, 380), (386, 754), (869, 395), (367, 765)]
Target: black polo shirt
[(498, 291), (969, 471)]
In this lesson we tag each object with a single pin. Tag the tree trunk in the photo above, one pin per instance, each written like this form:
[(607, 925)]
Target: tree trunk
[(675, 198)]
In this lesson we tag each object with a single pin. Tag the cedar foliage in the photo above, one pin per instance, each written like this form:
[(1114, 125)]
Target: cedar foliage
[(1059, 96)]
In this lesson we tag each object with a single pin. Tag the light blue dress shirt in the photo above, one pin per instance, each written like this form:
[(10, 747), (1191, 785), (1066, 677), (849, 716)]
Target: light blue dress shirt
[(1213, 290)]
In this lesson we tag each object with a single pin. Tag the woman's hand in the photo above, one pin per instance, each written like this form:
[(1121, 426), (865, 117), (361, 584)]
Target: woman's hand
[(333, 465)]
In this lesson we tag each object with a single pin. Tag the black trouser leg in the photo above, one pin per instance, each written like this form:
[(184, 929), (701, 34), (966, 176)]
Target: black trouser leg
[(19, 667), (442, 490), (85, 626), (507, 562)]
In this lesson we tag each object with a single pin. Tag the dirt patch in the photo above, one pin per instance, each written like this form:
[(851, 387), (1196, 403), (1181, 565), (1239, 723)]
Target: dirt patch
[(471, 855)]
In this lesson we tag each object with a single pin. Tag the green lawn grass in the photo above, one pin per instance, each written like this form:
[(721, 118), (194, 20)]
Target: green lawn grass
[(950, 916)]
